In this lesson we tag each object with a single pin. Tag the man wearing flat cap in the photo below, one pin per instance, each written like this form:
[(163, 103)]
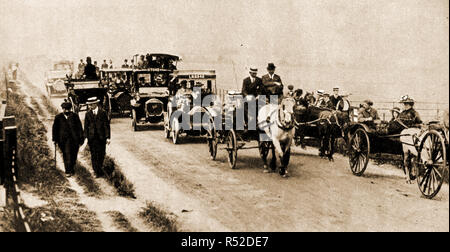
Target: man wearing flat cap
[(98, 133), (368, 115), (67, 133), (272, 82)]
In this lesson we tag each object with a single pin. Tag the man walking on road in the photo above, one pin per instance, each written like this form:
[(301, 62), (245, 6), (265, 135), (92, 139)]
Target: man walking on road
[(97, 131), (67, 133)]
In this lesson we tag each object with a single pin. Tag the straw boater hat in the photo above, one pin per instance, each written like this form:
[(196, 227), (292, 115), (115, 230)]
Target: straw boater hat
[(336, 88), (253, 70), (92, 100), (320, 92)]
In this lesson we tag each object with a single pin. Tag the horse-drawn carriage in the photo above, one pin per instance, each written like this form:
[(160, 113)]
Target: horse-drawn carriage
[(273, 129), (190, 106), (54, 79), (118, 84), (80, 90), (424, 152)]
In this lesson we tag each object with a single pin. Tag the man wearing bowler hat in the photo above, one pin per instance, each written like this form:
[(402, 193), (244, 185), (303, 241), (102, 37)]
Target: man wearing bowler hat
[(67, 133), (98, 133), (272, 82)]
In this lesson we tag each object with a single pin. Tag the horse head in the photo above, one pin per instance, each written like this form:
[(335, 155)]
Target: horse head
[(309, 97), (286, 112)]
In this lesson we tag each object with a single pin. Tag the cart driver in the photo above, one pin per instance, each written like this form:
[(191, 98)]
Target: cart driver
[(368, 115)]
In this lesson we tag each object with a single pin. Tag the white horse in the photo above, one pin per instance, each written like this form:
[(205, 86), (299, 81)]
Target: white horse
[(277, 122)]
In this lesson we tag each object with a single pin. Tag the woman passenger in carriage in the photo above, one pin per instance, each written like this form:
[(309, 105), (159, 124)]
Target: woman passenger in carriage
[(409, 116)]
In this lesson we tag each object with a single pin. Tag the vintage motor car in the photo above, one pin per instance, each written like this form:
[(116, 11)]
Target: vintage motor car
[(150, 80), (118, 85), (150, 95), (181, 105), (54, 79)]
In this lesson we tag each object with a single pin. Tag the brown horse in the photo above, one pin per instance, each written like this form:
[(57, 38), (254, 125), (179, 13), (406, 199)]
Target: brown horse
[(330, 124)]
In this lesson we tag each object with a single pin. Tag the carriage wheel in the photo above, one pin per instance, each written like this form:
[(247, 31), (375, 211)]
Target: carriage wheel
[(359, 150), (212, 138), (175, 131), (231, 148), (431, 172), (134, 120)]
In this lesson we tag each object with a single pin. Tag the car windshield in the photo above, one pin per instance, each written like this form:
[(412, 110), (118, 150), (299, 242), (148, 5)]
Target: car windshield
[(152, 80), (62, 66)]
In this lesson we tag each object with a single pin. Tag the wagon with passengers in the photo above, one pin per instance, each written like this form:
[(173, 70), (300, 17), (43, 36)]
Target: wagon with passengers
[(266, 126)]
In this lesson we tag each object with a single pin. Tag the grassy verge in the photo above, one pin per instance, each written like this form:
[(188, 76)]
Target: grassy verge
[(114, 175), (48, 105), (121, 221), (159, 218), (37, 168)]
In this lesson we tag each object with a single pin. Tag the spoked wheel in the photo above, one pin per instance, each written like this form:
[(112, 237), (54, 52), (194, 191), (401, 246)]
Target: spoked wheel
[(231, 148), (175, 131), (432, 167), (359, 150)]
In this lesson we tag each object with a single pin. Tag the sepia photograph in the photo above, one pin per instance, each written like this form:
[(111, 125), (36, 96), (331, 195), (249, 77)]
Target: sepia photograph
[(210, 117)]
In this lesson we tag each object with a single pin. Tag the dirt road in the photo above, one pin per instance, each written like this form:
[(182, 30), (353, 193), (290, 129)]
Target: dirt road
[(319, 195), (207, 195)]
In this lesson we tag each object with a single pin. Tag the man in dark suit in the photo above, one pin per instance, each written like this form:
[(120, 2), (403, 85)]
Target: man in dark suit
[(90, 72), (252, 85), (67, 133), (335, 98), (97, 131), (272, 83)]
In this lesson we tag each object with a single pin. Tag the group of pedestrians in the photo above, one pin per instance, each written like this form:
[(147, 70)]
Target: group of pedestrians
[(69, 135)]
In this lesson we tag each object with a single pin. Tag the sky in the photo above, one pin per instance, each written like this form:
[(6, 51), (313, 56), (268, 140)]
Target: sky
[(395, 41)]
